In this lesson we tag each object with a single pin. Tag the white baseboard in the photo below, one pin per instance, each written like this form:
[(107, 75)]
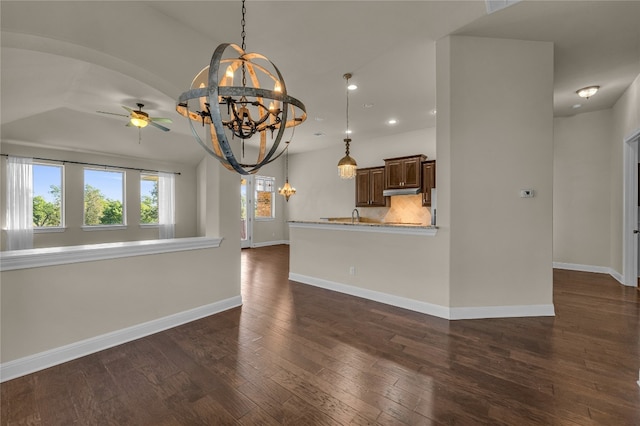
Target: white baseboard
[(389, 299), (511, 311), (582, 268), (270, 243), (32, 363), (617, 276), (429, 308), (590, 268)]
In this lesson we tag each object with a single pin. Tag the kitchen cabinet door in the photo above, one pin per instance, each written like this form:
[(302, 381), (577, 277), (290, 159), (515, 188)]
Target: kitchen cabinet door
[(369, 187), (428, 181), (376, 179), (403, 172)]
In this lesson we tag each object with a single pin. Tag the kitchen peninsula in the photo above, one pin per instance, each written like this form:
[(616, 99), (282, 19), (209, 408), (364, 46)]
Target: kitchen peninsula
[(364, 225), (403, 265)]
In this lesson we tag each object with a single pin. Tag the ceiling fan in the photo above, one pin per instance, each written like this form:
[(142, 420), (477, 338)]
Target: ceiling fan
[(140, 119)]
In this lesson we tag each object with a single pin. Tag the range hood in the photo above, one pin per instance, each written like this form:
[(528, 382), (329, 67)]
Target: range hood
[(400, 191)]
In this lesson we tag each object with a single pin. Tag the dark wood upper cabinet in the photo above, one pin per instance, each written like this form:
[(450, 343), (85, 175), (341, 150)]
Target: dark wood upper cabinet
[(428, 181), (369, 187), (403, 172)]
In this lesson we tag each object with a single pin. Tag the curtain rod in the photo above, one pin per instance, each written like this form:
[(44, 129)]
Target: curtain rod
[(97, 165)]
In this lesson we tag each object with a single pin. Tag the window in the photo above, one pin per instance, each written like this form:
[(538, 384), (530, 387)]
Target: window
[(149, 199), (265, 191), (47, 196), (103, 197)]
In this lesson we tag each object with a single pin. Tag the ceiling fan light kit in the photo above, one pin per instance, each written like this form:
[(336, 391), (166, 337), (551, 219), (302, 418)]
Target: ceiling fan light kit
[(140, 119), (249, 113)]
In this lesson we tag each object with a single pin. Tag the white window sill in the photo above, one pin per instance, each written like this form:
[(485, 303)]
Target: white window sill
[(104, 227), (46, 230), (49, 256), (265, 219), (149, 225)]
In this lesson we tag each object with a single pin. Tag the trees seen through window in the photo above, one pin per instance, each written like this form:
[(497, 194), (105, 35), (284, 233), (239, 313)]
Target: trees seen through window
[(148, 198), (47, 195), (103, 197)]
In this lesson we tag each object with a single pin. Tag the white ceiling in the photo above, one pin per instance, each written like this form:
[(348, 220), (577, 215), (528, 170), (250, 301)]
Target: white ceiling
[(63, 61)]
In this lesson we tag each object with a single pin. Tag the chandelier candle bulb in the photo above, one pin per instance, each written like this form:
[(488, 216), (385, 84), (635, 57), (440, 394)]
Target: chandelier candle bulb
[(229, 75)]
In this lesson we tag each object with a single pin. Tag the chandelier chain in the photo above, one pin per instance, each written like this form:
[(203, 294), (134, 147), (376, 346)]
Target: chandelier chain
[(243, 22), (244, 44)]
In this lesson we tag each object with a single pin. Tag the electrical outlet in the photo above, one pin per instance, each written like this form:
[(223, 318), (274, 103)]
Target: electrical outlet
[(526, 193), (352, 270)]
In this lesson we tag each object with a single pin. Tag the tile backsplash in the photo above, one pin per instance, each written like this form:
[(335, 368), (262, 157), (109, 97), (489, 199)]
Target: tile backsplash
[(403, 209)]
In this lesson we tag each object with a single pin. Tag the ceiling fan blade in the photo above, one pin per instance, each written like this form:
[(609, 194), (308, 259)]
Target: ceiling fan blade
[(112, 113), (127, 108), (159, 126), (161, 120)]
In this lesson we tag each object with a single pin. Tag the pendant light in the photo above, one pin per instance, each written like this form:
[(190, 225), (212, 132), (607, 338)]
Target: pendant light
[(247, 113), (347, 165), (287, 190)]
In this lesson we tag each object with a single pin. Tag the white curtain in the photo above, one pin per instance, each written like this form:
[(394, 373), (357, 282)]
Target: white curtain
[(19, 203), (166, 205)]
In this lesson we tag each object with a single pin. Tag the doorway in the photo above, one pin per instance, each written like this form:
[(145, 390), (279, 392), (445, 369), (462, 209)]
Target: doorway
[(246, 212), (630, 259)]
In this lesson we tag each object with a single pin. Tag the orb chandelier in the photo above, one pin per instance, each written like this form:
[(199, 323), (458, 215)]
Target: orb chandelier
[(249, 113), (287, 190), (347, 165)]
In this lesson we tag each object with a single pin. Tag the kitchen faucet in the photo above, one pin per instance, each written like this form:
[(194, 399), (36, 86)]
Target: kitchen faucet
[(357, 218)]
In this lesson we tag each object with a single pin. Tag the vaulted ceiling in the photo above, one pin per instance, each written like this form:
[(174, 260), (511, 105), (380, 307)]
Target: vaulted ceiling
[(63, 61)]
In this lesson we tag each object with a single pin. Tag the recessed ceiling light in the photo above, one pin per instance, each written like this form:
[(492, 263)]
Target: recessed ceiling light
[(348, 132), (587, 92), (392, 121), (367, 105), (319, 119), (352, 87), (433, 112), (576, 106)]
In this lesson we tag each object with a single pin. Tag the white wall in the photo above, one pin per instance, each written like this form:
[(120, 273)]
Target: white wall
[(581, 179), (495, 132), (74, 190), (626, 119), (412, 267), (321, 193)]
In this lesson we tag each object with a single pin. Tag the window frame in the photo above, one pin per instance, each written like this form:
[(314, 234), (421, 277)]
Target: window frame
[(256, 180), (157, 179), (109, 226), (62, 226)]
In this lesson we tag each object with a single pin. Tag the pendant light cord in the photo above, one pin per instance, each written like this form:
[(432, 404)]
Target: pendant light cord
[(347, 86), (347, 139)]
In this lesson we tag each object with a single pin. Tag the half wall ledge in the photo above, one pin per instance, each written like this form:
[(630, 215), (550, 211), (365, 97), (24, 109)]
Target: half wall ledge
[(50, 256)]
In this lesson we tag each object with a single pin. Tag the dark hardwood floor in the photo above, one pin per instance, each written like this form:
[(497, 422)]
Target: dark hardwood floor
[(299, 355)]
